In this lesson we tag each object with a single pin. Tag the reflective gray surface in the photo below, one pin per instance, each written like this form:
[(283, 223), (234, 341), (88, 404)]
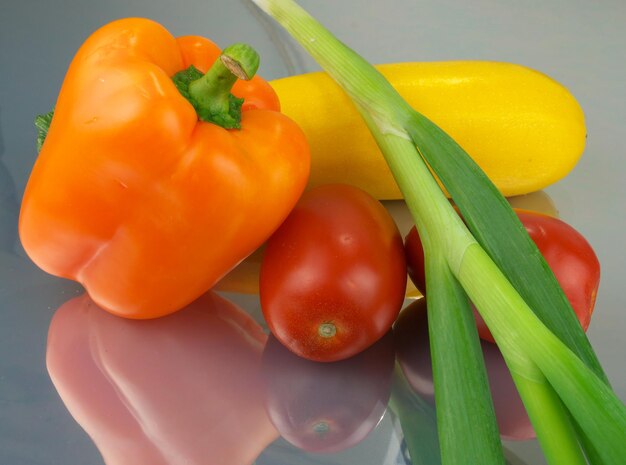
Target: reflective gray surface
[(578, 43)]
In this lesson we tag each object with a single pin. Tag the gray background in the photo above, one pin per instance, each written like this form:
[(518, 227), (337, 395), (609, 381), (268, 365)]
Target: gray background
[(579, 43)]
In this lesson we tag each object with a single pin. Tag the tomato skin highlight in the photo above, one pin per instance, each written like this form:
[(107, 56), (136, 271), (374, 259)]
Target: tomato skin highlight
[(568, 254), (333, 276)]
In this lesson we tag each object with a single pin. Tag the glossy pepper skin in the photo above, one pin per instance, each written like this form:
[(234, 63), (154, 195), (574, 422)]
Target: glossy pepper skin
[(137, 199)]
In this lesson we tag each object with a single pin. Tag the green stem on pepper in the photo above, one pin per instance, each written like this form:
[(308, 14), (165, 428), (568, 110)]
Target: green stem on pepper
[(485, 262), (210, 93)]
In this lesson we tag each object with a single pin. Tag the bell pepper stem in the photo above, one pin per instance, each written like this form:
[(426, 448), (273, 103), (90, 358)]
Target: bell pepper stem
[(211, 93)]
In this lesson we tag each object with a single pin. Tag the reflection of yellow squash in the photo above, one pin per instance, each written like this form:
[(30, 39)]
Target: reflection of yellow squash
[(525, 130), (244, 278), (539, 202)]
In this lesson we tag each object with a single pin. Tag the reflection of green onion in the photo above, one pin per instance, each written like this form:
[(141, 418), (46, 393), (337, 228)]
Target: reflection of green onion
[(496, 264), (417, 420)]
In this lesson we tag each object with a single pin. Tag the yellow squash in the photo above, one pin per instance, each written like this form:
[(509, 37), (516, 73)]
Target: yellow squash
[(525, 130)]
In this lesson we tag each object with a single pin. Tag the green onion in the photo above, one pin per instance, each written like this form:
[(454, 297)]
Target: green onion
[(495, 263)]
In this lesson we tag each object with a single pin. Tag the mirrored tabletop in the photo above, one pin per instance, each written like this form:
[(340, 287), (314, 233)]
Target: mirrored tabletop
[(210, 384)]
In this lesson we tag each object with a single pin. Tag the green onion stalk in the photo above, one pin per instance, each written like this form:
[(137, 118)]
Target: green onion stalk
[(487, 258)]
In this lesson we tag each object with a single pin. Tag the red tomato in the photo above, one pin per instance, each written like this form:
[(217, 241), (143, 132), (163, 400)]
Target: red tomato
[(333, 276), (567, 252)]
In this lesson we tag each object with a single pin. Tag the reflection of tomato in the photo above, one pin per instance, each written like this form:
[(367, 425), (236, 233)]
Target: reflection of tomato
[(327, 407), (333, 276), (566, 251), (413, 348), (413, 352), (177, 389)]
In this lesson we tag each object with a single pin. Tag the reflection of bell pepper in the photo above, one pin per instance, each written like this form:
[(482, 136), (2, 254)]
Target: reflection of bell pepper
[(179, 389), (129, 180)]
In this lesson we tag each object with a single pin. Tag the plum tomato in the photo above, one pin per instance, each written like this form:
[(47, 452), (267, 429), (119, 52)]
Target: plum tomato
[(333, 276), (568, 254)]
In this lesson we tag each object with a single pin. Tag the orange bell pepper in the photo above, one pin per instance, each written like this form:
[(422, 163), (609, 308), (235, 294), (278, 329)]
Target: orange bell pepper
[(136, 197)]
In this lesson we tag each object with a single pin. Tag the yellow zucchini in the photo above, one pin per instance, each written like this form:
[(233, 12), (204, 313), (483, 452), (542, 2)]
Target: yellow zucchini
[(525, 130)]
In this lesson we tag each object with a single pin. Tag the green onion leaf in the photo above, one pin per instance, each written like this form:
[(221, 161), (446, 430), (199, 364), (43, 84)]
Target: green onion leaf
[(502, 235), (459, 371), (497, 264)]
